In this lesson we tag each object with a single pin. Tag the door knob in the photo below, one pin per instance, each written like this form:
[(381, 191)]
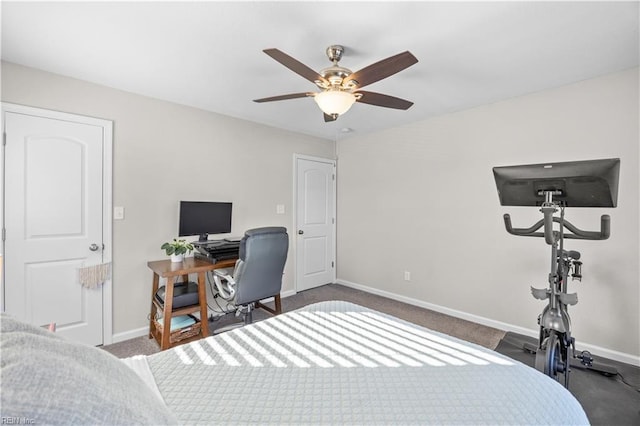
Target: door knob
[(93, 247), (300, 232)]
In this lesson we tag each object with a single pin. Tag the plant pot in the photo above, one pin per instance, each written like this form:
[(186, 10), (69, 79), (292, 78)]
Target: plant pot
[(177, 257)]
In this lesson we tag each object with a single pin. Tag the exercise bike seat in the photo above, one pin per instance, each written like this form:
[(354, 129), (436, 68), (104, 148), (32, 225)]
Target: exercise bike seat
[(572, 254)]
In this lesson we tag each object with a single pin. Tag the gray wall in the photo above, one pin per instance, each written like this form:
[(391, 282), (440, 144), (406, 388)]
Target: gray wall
[(163, 153), (421, 198)]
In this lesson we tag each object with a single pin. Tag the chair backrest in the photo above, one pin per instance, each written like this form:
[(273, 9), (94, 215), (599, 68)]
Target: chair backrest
[(258, 272)]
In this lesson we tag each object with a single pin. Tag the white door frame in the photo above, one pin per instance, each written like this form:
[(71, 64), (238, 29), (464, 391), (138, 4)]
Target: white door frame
[(297, 157), (107, 198)]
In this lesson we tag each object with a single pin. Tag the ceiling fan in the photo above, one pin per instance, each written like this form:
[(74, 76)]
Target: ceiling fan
[(340, 87)]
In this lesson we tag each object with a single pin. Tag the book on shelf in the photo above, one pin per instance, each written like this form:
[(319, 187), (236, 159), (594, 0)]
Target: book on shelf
[(180, 321)]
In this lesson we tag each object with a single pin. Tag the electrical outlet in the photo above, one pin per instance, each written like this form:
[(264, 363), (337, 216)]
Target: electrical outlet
[(407, 276)]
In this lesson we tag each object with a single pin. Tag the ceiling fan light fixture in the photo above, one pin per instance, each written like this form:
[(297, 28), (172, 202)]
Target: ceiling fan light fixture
[(334, 101)]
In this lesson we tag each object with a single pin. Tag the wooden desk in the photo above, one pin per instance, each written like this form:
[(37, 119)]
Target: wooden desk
[(171, 270)]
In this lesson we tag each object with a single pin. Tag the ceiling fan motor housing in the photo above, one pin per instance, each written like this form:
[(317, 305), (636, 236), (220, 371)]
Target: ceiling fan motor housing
[(335, 74)]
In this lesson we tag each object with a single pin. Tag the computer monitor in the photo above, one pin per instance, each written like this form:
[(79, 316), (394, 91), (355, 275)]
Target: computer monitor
[(589, 183), (203, 218)]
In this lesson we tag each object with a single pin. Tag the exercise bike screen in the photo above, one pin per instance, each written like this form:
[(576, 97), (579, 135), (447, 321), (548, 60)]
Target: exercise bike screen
[(590, 183)]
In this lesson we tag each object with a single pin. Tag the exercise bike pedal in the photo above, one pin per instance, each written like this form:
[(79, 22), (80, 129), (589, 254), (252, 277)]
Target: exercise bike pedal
[(585, 360)]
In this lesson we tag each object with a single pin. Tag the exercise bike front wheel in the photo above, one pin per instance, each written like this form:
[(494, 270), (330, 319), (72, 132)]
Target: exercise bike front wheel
[(549, 358)]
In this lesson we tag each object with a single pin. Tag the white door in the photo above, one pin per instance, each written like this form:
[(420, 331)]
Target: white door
[(54, 220), (315, 222)]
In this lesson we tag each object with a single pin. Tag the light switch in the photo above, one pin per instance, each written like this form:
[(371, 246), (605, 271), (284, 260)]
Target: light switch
[(280, 209), (118, 213)]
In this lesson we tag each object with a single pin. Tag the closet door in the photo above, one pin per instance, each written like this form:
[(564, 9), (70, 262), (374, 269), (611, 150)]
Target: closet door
[(315, 222), (54, 221)]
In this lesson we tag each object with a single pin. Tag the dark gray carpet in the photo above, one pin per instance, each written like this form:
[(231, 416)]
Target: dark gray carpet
[(608, 401), (466, 330)]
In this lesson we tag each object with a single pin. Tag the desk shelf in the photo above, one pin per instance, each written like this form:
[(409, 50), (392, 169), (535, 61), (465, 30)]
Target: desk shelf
[(181, 335), (185, 310), (170, 271)]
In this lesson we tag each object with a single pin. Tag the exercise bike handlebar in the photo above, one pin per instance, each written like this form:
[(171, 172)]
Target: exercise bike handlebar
[(547, 223)]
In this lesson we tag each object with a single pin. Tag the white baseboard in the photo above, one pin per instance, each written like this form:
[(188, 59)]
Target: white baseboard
[(288, 293), (598, 350), (143, 331), (131, 334)]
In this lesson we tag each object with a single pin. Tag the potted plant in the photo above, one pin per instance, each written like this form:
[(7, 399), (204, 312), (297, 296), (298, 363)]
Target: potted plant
[(177, 249)]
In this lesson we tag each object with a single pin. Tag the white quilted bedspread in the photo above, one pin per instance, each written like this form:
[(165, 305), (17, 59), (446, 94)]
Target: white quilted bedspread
[(340, 363)]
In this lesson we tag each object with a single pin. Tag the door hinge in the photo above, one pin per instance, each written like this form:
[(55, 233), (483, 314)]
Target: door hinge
[(4, 138), (4, 234), (333, 220), (332, 263), (333, 177)]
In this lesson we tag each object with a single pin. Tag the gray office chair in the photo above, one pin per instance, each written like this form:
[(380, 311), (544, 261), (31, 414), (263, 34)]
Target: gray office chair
[(258, 271)]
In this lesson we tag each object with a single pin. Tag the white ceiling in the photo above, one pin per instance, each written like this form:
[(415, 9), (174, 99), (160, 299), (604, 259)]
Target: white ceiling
[(209, 54)]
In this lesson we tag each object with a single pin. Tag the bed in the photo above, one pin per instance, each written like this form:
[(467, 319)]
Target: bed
[(327, 363)]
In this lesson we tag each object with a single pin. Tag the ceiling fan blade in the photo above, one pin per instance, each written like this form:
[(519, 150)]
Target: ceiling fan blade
[(387, 101), (381, 69), (283, 97), (329, 117), (295, 65)]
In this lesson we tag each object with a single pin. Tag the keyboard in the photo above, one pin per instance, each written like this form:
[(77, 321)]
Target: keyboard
[(220, 250), (226, 256)]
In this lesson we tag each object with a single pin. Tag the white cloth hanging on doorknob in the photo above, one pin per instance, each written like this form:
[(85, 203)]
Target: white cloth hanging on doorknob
[(93, 276)]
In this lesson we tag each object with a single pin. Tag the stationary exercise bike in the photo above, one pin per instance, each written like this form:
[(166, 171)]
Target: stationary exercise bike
[(580, 184)]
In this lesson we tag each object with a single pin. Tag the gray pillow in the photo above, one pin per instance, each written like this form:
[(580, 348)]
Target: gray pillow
[(48, 380)]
